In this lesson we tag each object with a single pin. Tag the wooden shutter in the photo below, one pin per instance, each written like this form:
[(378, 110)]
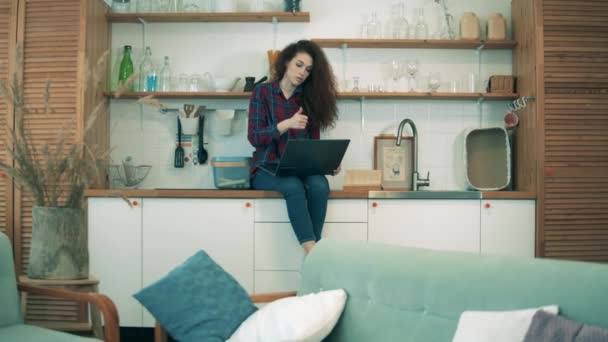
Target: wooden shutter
[(49, 36), (8, 36), (574, 222)]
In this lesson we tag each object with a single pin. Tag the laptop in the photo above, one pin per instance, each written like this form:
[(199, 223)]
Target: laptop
[(306, 157)]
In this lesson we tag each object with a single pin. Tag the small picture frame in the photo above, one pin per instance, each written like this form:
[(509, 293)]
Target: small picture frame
[(395, 162)]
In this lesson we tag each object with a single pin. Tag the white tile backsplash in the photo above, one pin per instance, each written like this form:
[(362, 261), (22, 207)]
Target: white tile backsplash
[(239, 49)]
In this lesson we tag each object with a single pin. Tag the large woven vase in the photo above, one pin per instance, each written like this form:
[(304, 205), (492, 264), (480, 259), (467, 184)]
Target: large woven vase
[(59, 247)]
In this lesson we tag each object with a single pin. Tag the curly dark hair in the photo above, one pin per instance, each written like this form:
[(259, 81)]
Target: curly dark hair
[(319, 90)]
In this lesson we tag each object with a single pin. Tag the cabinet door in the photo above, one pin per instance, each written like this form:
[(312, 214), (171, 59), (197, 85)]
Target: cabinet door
[(338, 210), (115, 253), (175, 229), (508, 227), (434, 224), (277, 249)]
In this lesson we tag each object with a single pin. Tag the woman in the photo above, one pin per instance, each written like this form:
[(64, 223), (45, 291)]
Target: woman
[(296, 105)]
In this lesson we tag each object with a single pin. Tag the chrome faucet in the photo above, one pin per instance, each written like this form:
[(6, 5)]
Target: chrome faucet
[(417, 182)]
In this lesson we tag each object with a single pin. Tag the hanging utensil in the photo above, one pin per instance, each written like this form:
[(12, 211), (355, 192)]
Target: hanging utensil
[(188, 109), (179, 150), (201, 154), (199, 111)]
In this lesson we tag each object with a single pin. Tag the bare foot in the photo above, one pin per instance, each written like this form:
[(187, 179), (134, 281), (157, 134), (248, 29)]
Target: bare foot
[(308, 245)]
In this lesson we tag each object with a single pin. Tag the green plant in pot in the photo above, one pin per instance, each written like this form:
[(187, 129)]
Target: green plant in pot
[(56, 174)]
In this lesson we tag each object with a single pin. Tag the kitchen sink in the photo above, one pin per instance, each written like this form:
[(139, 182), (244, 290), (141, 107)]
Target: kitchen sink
[(425, 194)]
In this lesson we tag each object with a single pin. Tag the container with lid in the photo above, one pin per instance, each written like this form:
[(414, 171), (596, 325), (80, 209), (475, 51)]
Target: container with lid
[(231, 172), (497, 27), (469, 26)]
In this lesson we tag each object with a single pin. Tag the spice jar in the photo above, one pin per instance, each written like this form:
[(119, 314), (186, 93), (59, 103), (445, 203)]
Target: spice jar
[(469, 26)]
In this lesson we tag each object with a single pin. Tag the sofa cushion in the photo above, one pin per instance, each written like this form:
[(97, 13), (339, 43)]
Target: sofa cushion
[(21, 332), (197, 301), (547, 327), (496, 326), (409, 294), (10, 313), (308, 318)]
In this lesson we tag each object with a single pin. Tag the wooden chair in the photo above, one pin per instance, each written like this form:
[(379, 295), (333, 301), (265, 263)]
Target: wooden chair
[(160, 335), (11, 323)]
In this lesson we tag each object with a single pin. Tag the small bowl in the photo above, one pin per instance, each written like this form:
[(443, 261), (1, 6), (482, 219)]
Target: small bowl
[(225, 83)]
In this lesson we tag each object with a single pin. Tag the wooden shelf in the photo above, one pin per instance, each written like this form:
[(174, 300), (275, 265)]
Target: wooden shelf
[(182, 95), (415, 43), (341, 95), (245, 17), (436, 96)]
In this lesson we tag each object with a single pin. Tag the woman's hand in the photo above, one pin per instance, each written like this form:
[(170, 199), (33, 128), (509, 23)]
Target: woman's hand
[(299, 120)]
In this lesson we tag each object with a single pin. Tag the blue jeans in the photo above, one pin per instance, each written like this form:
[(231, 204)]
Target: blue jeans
[(306, 199)]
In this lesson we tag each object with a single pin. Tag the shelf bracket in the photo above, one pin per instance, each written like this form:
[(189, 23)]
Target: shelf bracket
[(344, 48), (275, 30), (144, 26), (480, 101), (479, 55), (362, 112)]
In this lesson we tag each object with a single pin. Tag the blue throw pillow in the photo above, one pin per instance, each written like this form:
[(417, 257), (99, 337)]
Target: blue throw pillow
[(197, 301)]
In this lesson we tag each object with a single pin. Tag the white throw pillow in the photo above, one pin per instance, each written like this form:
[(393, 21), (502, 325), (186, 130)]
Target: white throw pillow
[(308, 318), (497, 326)]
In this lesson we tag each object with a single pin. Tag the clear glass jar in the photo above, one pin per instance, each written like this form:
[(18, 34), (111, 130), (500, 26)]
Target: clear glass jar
[(121, 6)]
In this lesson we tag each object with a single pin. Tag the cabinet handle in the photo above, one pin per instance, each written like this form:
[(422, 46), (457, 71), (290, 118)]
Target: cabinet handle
[(549, 172), (487, 206), (247, 204), (135, 203), (374, 205)]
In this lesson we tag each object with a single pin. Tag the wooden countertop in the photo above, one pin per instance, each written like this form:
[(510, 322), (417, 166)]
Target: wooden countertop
[(212, 193)]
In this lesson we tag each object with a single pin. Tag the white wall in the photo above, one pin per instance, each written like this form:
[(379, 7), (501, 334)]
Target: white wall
[(239, 50)]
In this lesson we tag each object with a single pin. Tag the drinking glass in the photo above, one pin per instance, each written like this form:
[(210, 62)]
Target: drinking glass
[(396, 71), (434, 81), (411, 67), (355, 84)]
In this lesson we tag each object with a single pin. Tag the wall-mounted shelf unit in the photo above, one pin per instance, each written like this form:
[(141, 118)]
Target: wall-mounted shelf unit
[(245, 17), (341, 95), (415, 43)]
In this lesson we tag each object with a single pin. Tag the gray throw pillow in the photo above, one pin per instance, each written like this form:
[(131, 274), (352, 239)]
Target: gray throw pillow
[(546, 327), (197, 301)]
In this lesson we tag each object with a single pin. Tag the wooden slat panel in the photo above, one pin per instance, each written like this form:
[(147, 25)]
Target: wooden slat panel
[(575, 186), (7, 38), (524, 68), (50, 38)]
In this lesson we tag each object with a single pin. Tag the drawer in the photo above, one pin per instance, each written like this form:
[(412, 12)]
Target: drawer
[(338, 210), (276, 281), (277, 249)]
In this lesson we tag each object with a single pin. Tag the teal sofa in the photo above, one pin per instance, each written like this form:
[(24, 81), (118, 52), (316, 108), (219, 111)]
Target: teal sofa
[(407, 294), (12, 327)]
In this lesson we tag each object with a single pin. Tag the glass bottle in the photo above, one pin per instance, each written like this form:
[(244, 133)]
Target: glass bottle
[(403, 31), (126, 67), (148, 79), (374, 30), (421, 29), (165, 76)]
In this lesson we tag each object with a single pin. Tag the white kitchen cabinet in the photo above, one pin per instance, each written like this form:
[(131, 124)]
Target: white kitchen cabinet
[(508, 227), (276, 281), (278, 254), (433, 224), (338, 210), (115, 231), (175, 229)]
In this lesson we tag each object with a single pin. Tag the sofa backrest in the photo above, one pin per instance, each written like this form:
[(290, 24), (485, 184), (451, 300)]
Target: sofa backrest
[(9, 314), (407, 294)]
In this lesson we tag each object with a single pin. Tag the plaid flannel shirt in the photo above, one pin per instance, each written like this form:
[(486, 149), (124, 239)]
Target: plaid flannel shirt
[(267, 107)]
